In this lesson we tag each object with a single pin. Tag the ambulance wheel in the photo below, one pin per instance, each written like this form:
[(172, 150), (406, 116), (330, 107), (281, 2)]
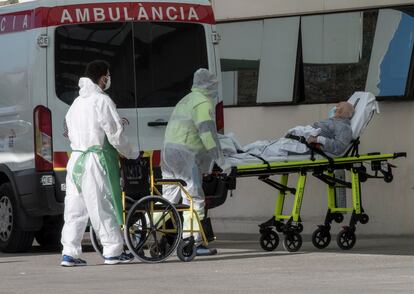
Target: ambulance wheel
[(292, 242), (346, 239), (339, 217), (364, 218), (321, 238), (269, 240), (50, 234), (146, 231), (186, 250), (12, 238)]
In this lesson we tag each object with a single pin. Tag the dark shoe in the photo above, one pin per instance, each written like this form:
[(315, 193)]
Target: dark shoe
[(123, 258), (204, 251), (70, 261)]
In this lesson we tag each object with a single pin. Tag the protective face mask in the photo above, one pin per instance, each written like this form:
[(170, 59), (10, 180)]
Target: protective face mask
[(108, 83), (331, 112)]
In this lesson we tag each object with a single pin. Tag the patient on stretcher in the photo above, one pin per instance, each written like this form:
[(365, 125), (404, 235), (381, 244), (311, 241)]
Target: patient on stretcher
[(336, 132), (332, 135)]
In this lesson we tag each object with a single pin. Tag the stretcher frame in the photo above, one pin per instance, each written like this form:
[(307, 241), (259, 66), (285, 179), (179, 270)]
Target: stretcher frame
[(323, 169)]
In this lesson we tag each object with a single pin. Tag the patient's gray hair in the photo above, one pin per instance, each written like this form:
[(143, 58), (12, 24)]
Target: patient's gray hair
[(347, 109)]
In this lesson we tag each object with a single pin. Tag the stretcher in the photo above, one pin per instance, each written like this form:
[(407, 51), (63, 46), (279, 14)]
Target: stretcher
[(361, 168)]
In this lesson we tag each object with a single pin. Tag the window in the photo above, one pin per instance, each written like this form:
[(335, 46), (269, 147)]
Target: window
[(166, 57), (391, 53), (258, 60), (152, 64), (318, 58), (336, 50), (77, 45)]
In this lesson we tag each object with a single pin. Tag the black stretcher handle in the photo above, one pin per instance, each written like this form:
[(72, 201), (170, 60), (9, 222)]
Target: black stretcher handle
[(313, 149), (157, 123), (400, 154), (172, 181)]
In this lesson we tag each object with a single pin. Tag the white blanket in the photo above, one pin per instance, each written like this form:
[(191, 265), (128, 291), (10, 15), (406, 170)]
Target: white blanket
[(267, 148)]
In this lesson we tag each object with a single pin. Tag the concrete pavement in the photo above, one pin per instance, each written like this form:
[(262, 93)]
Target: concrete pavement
[(375, 265)]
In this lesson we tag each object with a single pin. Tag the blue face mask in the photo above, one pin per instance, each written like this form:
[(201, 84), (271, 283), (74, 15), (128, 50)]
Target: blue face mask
[(331, 112)]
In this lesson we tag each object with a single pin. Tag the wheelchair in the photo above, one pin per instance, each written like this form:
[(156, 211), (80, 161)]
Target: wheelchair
[(152, 226)]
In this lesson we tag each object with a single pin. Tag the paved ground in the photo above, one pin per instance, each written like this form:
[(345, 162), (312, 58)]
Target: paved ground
[(375, 265)]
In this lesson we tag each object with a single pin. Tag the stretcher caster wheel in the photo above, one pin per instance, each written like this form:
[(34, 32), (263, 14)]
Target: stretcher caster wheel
[(388, 178), (346, 239), (269, 240), (339, 218), (292, 242), (299, 228), (280, 226), (321, 238), (186, 250), (364, 219)]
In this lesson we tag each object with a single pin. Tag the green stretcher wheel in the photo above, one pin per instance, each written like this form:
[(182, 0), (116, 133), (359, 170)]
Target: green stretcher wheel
[(292, 242), (346, 239), (321, 238), (269, 240)]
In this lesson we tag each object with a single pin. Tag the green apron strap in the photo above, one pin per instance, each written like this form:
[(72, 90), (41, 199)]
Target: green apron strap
[(79, 167)]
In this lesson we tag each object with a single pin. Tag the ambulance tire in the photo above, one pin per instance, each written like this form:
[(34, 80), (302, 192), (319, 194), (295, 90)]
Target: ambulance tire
[(51, 232), (12, 238)]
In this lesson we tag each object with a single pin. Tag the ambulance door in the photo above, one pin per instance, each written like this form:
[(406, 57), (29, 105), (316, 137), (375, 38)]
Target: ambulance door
[(166, 57), (74, 47)]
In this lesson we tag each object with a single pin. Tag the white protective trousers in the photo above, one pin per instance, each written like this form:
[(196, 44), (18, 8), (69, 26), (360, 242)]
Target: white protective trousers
[(187, 166), (93, 202)]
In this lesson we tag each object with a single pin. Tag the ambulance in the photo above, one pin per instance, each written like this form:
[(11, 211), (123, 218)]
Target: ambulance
[(153, 47)]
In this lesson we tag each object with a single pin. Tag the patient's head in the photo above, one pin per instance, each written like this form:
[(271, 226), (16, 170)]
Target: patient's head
[(344, 110)]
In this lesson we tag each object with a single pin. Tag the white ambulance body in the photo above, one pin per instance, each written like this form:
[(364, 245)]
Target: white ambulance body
[(153, 47)]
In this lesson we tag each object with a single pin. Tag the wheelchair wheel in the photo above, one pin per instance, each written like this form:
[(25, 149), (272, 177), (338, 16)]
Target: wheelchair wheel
[(152, 229), (292, 242), (321, 238), (96, 243), (186, 250), (346, 239), (269, 240)]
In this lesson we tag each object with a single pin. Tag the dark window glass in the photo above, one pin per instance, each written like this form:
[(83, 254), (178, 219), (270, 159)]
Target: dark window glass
[(77, 45), (166, 57), (336, 61)]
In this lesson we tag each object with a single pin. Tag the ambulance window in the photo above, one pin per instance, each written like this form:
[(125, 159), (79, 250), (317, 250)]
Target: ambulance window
[(166, 57), (77, 45)]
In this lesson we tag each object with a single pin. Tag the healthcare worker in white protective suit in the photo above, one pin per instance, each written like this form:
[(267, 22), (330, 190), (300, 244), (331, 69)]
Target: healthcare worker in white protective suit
[(92, 182), (191, 146)]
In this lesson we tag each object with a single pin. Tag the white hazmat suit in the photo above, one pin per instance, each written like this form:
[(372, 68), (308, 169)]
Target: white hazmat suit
[(92, 122), (191, 144)]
